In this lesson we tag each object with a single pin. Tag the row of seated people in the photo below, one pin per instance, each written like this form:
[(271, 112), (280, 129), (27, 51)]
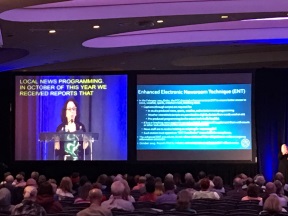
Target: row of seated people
[(121, 192), (30, 206), (117, 204)]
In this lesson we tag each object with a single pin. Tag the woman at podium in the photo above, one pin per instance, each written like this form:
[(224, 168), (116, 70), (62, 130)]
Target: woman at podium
[(68, 146)]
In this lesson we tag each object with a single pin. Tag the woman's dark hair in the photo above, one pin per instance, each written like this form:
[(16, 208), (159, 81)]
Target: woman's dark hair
[(169, 185), (279, 187), (218, 182), (63, 113), (177, 179), (190, 183), (83, 193), (45, 188), (204, 184), (83, 180), (150, 185), (253, 190), (102, 179)]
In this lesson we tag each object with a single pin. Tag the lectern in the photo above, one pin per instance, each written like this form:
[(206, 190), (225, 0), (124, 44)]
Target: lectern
[(71, 143)]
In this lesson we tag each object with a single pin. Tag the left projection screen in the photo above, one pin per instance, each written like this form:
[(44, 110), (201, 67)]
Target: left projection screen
[(71, 117)]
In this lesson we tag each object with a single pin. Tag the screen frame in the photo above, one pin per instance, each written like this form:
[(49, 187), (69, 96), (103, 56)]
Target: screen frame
[(131, 116), (12, 148), (205, 72)]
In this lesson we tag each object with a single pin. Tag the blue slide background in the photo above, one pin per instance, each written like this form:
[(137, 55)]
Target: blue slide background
[(105, 112), (235, 129)]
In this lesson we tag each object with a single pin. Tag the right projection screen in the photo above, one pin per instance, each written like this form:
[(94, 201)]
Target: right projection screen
[(194, 117)]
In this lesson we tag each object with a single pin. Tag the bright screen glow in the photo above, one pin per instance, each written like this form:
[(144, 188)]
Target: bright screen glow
[(71, 117), (194, 117)]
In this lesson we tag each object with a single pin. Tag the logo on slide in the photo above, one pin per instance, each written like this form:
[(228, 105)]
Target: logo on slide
[(245, 143)]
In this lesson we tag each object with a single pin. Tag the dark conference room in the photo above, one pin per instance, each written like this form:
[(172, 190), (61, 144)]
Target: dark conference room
[(181, 97)]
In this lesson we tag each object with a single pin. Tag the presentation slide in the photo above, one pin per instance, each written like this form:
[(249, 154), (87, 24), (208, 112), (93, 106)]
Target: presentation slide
[(197, 121), (71, 117)]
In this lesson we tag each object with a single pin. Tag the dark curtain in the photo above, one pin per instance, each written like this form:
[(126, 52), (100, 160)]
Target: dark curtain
[(6, 145), (271, 88)]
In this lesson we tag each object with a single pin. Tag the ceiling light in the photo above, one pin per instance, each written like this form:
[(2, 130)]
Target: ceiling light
[(52, 31), (96, 26), (268, 19), (224, 17), (160, 21)]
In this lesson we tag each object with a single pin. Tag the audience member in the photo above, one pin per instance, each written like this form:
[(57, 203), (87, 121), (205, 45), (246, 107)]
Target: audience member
[(4, 179), (9, 183), (83, 194), (75, 178), (31, 182), (45, 198), (150, 195), (5, 200), (280, 193), (270, 189), (218, 186), (131, 182), (126, 194), (189, 184), (35, 175), (159, 189), (65, 189), (247, 182), (19, 181), (97, 185), (169, 195), (82, 181), (169, 176), (177, 181), (28, 206), (272, 206), (204, 192), (116, 200), (202, 175), (95, 209), (42, 179), (260, 182), (16, 192), (188, 177), (184, 201), (237, 192), (102, 180), (136, 179), (140, 184), (253, 194)]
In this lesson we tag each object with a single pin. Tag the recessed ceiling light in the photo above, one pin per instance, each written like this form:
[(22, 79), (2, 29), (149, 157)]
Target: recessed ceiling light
[(52, 31), (224, 17), (96, 26), (160, 21)]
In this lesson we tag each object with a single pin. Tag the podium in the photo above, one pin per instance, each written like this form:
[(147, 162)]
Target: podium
[(71, 142)]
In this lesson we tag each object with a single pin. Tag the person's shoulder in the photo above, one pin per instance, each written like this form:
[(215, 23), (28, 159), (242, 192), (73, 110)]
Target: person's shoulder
[(18, 206), (105, 203), (99, 209), (82, 212), (80, 126), (60, 126)]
